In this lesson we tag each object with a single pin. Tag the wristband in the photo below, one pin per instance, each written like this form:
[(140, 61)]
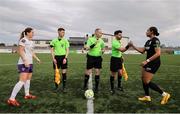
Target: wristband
[(148, 60), (92, 45), (127, 47)]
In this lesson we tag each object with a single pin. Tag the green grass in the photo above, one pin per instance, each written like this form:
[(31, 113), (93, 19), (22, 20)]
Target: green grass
[(72, 101)]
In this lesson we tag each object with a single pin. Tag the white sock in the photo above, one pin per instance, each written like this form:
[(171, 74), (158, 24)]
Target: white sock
[(26, 87), (16, 89), (164, 94), (148, 96)]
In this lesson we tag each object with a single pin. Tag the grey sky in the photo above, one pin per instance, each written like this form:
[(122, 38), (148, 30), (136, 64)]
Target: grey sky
[(80, 17)]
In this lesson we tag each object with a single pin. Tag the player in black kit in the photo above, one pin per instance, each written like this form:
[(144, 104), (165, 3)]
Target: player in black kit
[(151, 65)]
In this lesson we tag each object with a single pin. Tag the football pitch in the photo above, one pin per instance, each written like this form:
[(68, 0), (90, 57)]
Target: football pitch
[(48, 101)]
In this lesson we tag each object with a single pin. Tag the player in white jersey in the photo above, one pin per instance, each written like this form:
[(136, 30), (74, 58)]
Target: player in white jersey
[(25, 66)]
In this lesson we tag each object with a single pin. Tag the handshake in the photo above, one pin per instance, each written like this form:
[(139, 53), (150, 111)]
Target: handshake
[(130, 44)]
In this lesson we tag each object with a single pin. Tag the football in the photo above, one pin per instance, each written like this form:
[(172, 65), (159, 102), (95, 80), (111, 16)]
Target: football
[(89, 94)]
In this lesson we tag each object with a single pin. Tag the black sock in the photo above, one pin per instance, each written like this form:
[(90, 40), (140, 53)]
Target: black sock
[(146, 88), (86, 78), (112, 82), (96, 81), (119, 80), (56, 85), (64, 80), (155, 87)]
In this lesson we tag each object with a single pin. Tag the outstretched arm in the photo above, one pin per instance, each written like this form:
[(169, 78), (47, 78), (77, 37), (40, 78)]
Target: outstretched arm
[(140, 50), (123, 49)]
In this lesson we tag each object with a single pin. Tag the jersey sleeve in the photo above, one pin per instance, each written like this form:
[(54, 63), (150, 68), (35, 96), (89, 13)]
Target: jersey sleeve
[(52, 44), (89, 43), (67, 44), (22, 42), (102, 44), (156, 43)]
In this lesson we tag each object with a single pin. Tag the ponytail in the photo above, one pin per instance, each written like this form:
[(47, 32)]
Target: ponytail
[(27, 30), (22, 35)]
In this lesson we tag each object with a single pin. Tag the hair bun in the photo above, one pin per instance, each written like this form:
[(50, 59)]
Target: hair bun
[(157, 34)]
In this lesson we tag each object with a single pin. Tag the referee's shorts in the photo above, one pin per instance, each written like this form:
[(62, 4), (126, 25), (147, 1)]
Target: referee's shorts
[(93, 62), (116, 64), (60, 64)]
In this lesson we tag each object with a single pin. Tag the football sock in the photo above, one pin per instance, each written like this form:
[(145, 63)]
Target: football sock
[(16, 89), (97, 81), (26, 87), (86, 81), (112, 82), (155, 87), (64, 80)]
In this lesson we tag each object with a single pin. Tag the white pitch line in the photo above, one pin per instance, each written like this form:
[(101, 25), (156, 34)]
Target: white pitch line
[(90, 102)]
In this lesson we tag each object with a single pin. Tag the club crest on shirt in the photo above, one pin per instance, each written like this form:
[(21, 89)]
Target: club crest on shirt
[(23, 40), (62, 45)]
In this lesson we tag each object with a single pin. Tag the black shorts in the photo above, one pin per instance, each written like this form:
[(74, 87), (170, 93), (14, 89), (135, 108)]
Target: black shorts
[(94, 62), (152, 67), (60, 64), (116, 64)]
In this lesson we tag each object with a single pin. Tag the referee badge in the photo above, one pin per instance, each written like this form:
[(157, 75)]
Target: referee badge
[(62, 45), (23, 40)]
